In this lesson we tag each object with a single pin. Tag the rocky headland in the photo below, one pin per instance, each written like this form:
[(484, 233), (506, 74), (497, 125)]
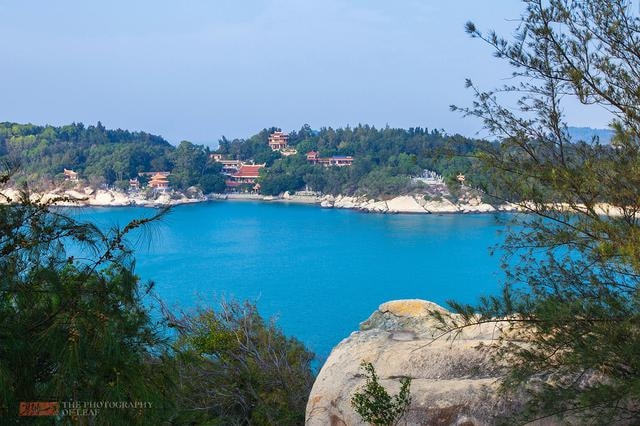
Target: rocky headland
[(400, 204), (453, 383), (412, 204)]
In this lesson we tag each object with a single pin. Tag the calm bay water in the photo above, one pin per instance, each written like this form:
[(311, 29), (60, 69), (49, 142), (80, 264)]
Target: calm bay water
[(320, 272)]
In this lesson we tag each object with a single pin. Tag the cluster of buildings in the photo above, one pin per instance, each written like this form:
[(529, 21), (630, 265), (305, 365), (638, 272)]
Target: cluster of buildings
[(279, 141), (242, 176), (239, 175)]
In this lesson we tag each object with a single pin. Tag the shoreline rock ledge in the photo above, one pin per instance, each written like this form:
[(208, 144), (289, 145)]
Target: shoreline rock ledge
[(453, 383)]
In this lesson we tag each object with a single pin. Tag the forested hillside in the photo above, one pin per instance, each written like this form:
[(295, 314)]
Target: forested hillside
[(102, 156), (95, 152), (384, 159)]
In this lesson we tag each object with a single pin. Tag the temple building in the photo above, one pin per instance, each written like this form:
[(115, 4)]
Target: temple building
[(279, 141), (248, 173), (70, 175), (313, 157), (245, 176), (159, 180), (134, 183)]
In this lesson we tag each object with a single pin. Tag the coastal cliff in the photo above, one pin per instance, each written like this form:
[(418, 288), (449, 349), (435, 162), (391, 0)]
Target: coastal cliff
[(453, 383)]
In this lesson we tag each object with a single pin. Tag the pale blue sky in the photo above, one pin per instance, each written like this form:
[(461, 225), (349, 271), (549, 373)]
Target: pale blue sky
[(201, 69)]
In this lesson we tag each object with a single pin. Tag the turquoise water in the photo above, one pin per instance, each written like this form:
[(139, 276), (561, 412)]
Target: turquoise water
[(319, 271)]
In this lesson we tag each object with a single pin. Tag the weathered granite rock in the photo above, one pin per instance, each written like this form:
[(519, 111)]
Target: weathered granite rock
[(441, 206), (404, 204), (453, 383), (477, 208)]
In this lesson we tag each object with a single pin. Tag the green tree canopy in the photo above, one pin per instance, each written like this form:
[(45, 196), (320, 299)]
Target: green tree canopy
[(571, 300)]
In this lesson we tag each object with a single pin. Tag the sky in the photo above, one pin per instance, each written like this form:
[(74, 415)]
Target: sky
[(200, 69)]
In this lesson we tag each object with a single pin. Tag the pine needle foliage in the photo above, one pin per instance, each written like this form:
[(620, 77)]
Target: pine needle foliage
[(74, 329), (570, 309)]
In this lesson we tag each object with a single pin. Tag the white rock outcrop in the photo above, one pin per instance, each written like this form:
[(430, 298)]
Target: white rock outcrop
[(441, 206), (453, 383), (404, 204)]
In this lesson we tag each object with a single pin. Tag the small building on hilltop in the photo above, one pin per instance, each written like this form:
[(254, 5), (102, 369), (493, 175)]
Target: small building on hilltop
[(312, 157), (279, 141), (70, 175)]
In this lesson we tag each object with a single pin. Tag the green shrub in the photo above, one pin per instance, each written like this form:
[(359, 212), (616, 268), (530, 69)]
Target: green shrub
[(374, 404)]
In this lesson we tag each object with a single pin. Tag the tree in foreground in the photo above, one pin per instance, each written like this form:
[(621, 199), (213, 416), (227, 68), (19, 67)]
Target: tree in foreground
[(236, 369), (571, 299), (78, 329), (75, 329)]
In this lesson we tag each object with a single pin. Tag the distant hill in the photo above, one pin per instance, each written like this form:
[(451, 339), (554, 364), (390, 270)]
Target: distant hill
[(587, 134)]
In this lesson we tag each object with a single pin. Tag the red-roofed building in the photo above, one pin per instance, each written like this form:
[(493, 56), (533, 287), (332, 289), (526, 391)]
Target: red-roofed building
[(245, 177), (159, 181), (247, 173)]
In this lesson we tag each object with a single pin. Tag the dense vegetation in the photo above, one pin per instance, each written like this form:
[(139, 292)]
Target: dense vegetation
[(571, 304), (101, 156), (79, 329), (385, 159)]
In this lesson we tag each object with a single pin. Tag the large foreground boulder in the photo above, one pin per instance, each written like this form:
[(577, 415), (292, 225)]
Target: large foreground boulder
[(453, 383)]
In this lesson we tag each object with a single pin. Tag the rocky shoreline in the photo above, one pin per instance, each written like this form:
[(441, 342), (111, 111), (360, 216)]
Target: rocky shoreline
[(401, 204), (89, 197), (414, 204)]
